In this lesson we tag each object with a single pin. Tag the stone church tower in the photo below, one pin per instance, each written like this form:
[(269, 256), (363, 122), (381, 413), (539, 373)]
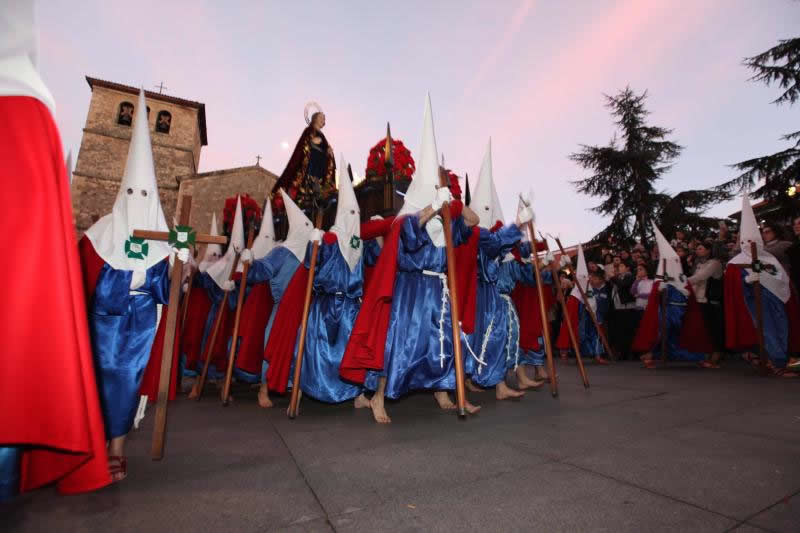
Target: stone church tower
[(177, 131)]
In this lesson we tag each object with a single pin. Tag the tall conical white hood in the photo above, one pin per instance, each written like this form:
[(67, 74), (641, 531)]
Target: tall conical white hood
[(265, 241), (777, 283), (423, 185), (19, 50), (347, 225), (581, 275), (674, 268), (299, 228), (68, 164), (213, 251), (220, 271), (484, 200), (137, 206)]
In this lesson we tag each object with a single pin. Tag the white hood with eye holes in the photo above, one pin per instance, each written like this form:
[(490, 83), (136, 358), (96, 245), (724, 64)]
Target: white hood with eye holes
[(137, 206), (347, 225)]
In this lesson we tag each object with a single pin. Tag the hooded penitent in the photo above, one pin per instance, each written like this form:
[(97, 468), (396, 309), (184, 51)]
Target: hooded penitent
[(674, 268), (423, 185), (220, 271), (137, 206), (299, 228), (777, 283), (265, 241), (213, 251), (347, 225), (484, 200)]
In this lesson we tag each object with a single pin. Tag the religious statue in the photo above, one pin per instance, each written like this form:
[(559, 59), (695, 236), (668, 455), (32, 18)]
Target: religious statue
[(310, 173)]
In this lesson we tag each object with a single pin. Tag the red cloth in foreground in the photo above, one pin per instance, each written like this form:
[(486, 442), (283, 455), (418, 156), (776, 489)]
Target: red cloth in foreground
[(252, 324), (564, 342), (526, 300), (48, 390)]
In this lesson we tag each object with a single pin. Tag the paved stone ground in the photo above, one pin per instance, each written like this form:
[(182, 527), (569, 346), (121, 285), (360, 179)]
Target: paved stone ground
[(675, 449)]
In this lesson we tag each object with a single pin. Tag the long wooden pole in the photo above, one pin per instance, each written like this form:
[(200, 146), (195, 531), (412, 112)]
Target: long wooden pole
[(548, 345), (664, 302), (197, 389), (568, 319), (186, 299), (591, 312), (452, 284), (762, 352), (160, 426), (301, 343), (226, 388)]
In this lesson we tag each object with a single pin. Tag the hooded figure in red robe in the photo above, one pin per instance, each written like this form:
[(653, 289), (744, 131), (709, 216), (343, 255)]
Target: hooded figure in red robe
[(55, 436)]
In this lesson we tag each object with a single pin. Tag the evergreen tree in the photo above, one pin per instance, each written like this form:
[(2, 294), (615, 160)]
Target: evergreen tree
[(625, 171), (779, 65)]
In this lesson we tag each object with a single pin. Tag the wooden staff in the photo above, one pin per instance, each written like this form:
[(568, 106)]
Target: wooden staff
[(568, 319), (664, 298), (548, 345), (226, 387), (589, 309), (756, 267), (452, 284), (160, 425), (185, 310), (301, 343), (197, 389)]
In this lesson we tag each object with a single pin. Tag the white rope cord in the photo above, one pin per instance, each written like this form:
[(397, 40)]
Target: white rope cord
[(513, 318), (445, 300)]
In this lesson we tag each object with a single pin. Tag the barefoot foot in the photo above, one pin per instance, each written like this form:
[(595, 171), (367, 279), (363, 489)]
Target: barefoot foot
[(361, 402), (504, 392), (444, 401), (472, 409), (525, 382), (263, 397), (378, 410)]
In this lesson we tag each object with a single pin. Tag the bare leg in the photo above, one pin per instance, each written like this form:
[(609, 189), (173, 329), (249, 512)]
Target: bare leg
[(376, 403), (471, 408), (263, 396), (541, 373), (472, 387), (524, 381), (503, 392), (444, 401), (361, 401)]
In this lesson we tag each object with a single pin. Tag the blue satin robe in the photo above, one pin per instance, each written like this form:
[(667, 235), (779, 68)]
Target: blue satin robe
[(511, 273), (122, 326), (334, 306), (9, 472), (412, 353), (776, 323), (676, 308), (490, 345), (277, 268), (372, 250)]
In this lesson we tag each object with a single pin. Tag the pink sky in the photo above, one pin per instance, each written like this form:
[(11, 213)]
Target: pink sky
[(530, 74)]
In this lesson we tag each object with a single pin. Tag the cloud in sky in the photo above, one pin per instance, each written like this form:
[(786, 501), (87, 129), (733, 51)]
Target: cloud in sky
[(530, 74)]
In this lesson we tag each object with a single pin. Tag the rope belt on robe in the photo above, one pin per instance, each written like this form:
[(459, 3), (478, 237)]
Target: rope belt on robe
[(445, 304), (513, 318)]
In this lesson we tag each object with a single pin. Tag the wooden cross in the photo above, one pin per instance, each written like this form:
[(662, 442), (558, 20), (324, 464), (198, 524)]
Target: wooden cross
[(161, 87), (757, 266), (183, 239), (258, 160)]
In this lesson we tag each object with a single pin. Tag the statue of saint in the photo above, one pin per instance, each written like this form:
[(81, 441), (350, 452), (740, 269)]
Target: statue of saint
[(310, 173)]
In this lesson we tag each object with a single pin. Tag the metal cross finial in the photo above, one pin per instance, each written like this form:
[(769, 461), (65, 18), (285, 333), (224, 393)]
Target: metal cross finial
[(258, 160), (161, 87)]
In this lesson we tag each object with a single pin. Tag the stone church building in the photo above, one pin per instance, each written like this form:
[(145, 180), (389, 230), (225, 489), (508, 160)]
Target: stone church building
[(178, 134)]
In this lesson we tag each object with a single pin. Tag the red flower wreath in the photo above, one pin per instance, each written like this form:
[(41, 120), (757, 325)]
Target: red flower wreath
[(251, 213), (403, 167)]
